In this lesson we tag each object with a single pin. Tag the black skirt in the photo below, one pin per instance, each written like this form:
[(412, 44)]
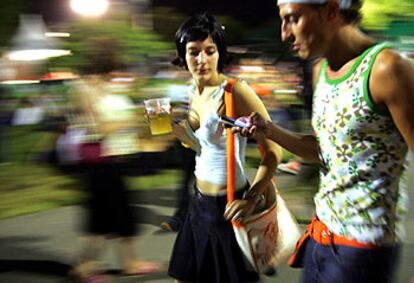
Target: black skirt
[(109, 211), (206, 249)]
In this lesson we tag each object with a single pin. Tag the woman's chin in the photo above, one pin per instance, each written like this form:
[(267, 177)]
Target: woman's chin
[(203, 78)]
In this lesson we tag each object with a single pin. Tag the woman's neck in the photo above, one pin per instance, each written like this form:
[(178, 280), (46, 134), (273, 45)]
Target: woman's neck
[(214, 81)]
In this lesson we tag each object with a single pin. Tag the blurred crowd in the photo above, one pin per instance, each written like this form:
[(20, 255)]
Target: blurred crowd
[(96, 129)]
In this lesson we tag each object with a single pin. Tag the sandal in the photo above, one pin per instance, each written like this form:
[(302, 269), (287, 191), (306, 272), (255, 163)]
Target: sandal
[(173, 224), (98, 278), (143, 268), (88, 272)]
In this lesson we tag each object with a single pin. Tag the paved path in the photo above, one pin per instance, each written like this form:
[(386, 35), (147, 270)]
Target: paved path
[(39, 248)]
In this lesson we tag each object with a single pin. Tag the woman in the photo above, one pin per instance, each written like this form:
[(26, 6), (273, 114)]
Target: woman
[(109, 119), (206, 249)]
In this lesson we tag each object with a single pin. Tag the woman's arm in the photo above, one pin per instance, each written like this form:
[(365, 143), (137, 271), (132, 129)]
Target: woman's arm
[(183, 132), (245, 102)]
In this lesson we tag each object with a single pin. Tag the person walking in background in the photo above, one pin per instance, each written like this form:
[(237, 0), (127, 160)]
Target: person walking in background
[(110, 123), (6, 114), (296, 165), (109, 120), (363, 126), (187, 158), (205, 249)]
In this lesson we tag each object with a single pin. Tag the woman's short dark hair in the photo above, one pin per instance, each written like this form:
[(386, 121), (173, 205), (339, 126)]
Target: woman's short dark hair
[(199, 27)]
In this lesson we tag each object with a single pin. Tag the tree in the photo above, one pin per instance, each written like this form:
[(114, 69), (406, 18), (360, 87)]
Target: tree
[(9, 19), (100, 47), (379, 14)]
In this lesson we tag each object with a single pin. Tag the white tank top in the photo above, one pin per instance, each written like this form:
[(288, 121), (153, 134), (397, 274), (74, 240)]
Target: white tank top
[(211, 163)]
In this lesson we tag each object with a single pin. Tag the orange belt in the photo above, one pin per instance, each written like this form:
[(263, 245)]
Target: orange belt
[(321, 234)]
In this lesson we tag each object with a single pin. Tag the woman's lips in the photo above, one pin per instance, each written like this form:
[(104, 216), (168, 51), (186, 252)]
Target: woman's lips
[(202, 71)]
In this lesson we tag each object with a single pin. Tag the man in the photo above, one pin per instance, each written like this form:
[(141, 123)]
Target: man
[(363, 99)]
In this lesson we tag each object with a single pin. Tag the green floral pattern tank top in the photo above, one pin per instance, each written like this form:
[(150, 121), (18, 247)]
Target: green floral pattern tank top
[(362, 155)]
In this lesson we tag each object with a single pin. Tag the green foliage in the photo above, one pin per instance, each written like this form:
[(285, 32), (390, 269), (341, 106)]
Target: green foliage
[(235, 30), (379, 14), (166, 22), (9, 19), (106, 46)]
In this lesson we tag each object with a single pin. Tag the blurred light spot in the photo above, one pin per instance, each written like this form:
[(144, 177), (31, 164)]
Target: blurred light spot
[(285, 91), (252, 68), (30, 43), (36, 54), (20, 82), (91, 8), (57, 34)]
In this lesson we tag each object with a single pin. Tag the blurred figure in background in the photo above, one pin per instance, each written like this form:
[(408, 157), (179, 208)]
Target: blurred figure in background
[(187, 165), (6, 114), (187, 162), (362, 119), (205, 249), (27, 113), (109, 121), (296, 164)]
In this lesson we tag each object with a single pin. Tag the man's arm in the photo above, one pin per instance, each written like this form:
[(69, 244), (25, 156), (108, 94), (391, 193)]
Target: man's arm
[(392, 87), (302, 145)]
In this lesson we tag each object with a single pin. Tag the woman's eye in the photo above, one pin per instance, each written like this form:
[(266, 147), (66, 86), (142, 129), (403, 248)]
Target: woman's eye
[(210, 52), (193, 53)]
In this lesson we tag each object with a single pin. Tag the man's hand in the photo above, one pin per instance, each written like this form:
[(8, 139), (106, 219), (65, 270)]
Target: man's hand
[(258, 128)]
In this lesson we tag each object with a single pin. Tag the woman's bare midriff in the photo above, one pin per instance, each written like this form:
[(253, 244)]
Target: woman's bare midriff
[(208, 188)]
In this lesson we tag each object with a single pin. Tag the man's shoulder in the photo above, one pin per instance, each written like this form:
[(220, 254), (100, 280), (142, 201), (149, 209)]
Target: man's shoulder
[(389, 72), (317, 66), (317, 63), (387, 59), (389, 64)]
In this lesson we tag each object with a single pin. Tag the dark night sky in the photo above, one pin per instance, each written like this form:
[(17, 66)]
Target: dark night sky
[(52, 10), (254, 13), (247, 10)]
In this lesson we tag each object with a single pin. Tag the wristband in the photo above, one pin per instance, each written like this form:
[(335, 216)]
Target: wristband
[(256, 197), (185, 145)]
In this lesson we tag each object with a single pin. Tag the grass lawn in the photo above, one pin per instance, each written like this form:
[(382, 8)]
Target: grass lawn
[(28, 186)]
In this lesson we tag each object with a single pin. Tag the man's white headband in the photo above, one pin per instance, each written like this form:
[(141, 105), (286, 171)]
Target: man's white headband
[(343, 4)]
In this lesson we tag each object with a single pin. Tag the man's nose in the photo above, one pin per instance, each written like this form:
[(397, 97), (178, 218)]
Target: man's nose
[(286, 32)]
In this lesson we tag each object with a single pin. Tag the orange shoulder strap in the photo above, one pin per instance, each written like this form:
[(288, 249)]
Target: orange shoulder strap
[(228, 102), (231, 169)]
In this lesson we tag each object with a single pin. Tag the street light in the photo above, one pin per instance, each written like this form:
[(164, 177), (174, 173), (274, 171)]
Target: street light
[(30, 42), (90, 8)]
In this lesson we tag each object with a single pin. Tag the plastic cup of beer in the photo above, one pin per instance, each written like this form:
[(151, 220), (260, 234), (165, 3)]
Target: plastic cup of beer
[(158, 111)]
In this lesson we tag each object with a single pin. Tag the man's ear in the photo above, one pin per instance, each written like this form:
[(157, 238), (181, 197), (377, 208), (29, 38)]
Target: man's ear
[(331, 10)]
